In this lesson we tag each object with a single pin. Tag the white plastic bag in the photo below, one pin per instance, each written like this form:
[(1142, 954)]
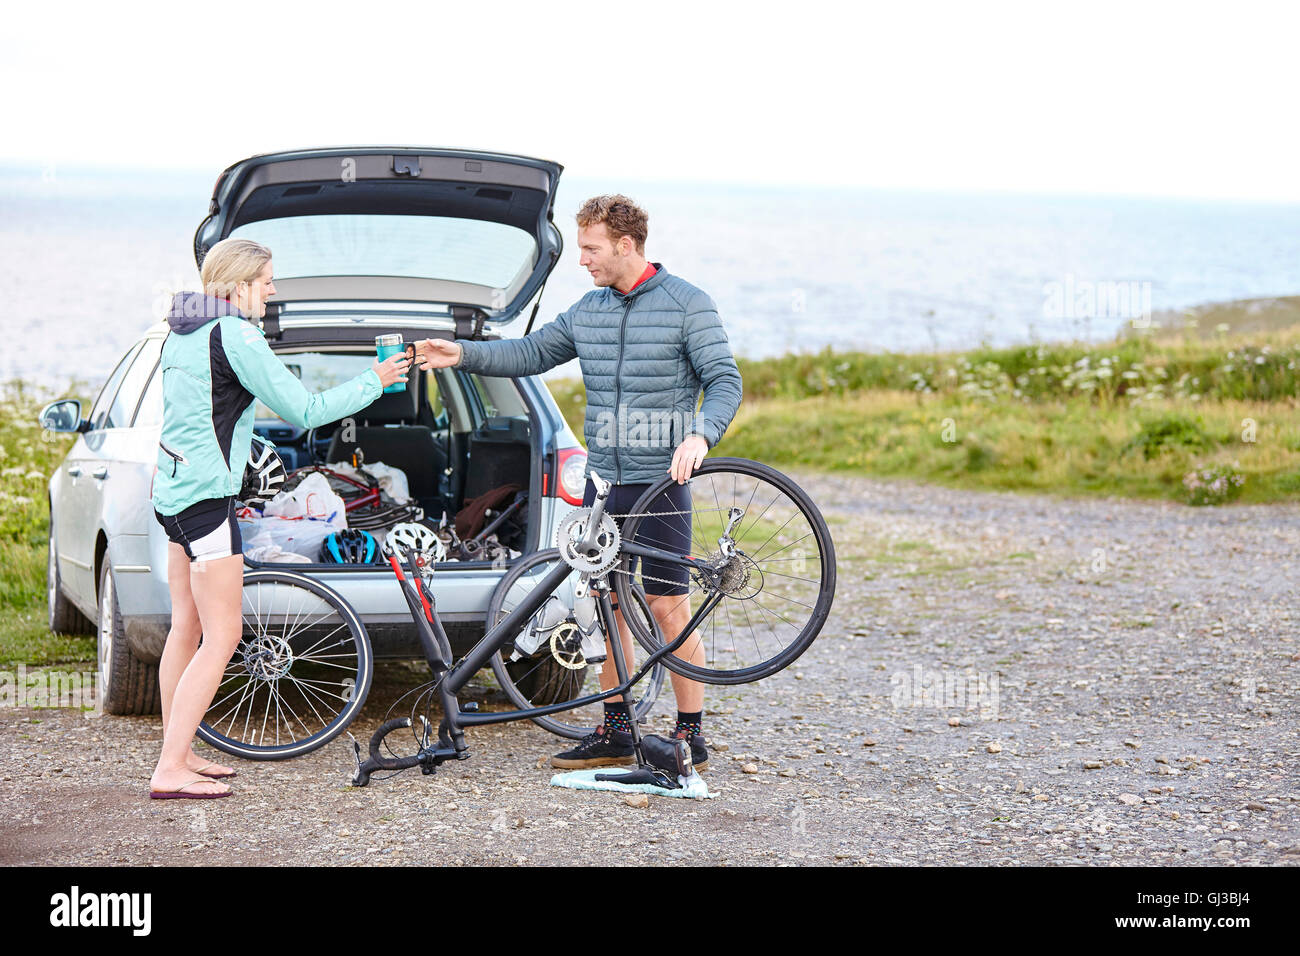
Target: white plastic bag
[(302, 536), (312, 498), (392, 481), (260, 546)]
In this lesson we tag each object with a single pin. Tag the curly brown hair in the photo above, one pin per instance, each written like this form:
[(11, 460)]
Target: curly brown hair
[(621, 216)]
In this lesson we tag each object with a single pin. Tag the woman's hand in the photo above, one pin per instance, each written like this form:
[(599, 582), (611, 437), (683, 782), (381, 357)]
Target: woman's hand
[(392, 369), (436, 353)]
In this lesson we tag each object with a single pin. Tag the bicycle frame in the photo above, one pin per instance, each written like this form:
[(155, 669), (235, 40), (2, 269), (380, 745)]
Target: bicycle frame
[(452, 676)]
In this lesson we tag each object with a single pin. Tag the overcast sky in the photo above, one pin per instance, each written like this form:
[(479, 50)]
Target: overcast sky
[(1156, 99)]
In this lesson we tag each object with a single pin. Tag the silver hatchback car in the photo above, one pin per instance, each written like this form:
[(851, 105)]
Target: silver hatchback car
[(367, 241)]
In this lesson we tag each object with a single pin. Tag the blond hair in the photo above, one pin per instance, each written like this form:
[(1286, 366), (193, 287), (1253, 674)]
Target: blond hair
[(621, 216), (230, 262)]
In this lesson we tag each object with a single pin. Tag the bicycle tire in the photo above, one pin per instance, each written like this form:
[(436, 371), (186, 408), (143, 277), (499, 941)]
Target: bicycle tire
[(824, 585), (308, 614), (540, 680)]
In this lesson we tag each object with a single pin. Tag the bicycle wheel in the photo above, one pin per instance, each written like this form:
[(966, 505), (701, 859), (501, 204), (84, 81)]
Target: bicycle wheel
[(776, 588), (548, 676), (300, 674)]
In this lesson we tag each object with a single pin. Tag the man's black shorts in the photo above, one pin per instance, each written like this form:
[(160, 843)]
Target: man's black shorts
[(205, 530), (668, 533)]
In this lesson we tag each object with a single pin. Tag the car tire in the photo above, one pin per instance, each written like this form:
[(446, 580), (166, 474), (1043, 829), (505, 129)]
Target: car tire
[(65, 618), (127, 686)]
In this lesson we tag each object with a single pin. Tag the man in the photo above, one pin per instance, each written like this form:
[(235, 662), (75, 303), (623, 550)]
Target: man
[(648, 343)]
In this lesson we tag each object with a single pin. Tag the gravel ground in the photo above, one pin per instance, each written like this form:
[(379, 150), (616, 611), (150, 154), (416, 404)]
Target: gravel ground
[(1004, 679)]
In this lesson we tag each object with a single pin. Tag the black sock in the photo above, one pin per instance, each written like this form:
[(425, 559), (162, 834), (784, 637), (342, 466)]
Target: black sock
[(690, 723), (618, 717)]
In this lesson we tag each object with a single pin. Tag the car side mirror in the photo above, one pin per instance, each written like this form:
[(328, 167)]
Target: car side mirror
[(63, 416)]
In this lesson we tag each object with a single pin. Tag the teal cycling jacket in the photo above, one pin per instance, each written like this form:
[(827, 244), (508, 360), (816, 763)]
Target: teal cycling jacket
[(214, 364)]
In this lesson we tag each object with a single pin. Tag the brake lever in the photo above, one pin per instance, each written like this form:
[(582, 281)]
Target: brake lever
[(359, 779)]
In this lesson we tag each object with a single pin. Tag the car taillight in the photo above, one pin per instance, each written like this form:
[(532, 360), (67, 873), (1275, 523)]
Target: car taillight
[(572, 483)]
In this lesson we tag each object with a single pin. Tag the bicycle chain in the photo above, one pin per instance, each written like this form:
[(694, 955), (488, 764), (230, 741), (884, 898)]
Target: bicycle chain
[(653, 514)]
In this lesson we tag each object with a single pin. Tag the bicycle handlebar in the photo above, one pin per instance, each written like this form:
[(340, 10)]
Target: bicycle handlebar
[(377, 760)]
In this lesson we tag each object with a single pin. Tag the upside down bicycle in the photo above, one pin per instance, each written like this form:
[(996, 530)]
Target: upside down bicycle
[(761, 580)]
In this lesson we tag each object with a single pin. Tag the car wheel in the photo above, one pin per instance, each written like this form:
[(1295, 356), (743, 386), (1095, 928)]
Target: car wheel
[(64, 616), (541, 680), (126, 685)]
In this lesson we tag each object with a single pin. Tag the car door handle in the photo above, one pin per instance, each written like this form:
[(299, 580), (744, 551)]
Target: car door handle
[(74, 471), (100, 472)]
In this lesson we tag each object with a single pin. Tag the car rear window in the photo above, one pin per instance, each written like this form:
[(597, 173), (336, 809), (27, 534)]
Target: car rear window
[(428, 247), (320, 370)]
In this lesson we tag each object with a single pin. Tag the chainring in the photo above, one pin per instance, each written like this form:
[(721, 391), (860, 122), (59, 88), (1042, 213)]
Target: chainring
[(574, 528)]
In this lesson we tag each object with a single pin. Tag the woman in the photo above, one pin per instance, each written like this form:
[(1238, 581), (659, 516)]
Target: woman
[(214, 365)]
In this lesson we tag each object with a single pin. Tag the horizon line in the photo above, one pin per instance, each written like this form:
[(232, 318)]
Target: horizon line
[(35, 166)]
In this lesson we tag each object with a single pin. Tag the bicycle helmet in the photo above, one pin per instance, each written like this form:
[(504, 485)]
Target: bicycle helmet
[(349, 547), (263, 475), (410, 536)]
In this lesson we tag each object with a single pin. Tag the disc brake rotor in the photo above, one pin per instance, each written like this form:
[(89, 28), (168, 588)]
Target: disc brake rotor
[(566, 647), (267, 658)]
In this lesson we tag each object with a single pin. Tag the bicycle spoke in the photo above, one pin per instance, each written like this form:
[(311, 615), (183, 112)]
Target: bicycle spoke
[(768, 610), (266, 716), (245, 691), (792, 577), (771, 536), (288, 725), (540, 679), (302, 686), (787, 587), (786, 548), (307, 653)]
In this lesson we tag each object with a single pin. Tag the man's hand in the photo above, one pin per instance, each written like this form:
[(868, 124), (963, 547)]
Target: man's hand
[(687, 458), (436, 353)]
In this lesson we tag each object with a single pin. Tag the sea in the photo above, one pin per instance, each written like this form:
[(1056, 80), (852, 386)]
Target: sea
[(89, 259)]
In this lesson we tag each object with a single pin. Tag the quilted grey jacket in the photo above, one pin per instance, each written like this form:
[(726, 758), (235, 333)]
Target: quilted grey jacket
[(645, 358)]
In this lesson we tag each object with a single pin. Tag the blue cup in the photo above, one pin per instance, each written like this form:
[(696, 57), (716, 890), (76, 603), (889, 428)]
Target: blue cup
[(386, 346)]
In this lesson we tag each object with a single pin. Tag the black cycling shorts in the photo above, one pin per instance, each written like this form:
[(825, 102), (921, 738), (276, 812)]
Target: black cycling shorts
[(206, 530), (668, 533)]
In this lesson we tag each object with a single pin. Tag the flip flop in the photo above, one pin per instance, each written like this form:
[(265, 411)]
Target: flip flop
[(180, 794), (215, 776)]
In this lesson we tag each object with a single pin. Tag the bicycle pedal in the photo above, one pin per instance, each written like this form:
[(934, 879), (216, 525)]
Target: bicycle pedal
[(469, 707)]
